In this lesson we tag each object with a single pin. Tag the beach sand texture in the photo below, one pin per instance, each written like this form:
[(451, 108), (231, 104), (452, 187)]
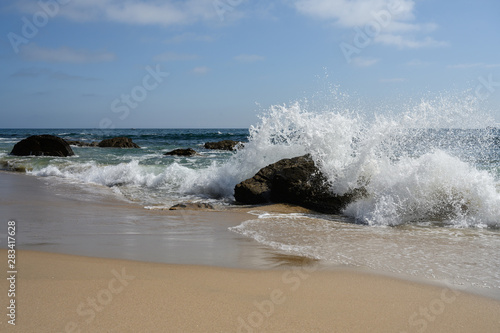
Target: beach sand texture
[(64, 293)]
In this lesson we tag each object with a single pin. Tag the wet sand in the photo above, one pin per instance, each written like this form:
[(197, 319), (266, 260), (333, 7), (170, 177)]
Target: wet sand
[(226, 283), (89, 220), (86, 220)]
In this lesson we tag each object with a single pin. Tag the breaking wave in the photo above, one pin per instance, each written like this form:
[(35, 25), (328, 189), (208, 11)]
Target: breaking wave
[(435, 160)]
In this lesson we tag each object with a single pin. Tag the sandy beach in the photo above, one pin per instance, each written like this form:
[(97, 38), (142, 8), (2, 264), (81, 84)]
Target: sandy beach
[(250, 166), (63, 293), (188, 273)]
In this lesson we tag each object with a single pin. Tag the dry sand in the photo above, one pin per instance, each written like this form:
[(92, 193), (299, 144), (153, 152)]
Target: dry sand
[(63, 293)]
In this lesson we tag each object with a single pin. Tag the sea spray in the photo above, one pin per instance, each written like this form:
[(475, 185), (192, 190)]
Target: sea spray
[(427, 163), (278, 135), (434, 187)]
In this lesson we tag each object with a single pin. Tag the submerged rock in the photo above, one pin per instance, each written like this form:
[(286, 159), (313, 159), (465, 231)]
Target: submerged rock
[(42, 145), (223, 145), (118, 142), (182, 152), (296, 181), (193, 206)]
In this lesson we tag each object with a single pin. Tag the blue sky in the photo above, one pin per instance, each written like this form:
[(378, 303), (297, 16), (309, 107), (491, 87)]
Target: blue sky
[(219, 63)]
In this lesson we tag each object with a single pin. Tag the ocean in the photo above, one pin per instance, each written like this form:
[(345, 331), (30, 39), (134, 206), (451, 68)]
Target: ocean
[(143, 175), (431, 173)]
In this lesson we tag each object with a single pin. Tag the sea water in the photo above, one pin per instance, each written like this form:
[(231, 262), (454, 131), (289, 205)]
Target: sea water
[(430, 170)]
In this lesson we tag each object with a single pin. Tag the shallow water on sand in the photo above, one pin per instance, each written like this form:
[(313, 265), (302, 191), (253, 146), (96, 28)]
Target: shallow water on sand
[(90, 220), (460, 256)]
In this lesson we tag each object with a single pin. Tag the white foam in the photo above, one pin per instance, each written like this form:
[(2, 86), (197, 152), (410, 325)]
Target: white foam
[(433, 187), (130, 173), (412, 173)]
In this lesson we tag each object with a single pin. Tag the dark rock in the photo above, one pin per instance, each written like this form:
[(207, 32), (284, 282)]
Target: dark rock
[(42, 145), (182, 152), (223, 145), (192, 206), (118, 142), (296, 181), (82, 144)]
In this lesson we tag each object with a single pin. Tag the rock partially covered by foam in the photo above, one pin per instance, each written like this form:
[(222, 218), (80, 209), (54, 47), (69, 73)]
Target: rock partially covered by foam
[(296, 181), (118, 142), (42, 145), (223, 145)]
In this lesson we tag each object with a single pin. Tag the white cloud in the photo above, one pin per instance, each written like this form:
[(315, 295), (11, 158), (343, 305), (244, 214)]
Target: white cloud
[(356, 12), (404, 27), (364, 62), (408, 42), (168, 12), (147, 13), (172, 56), (200, 70), (392, 21), (249, 58), (33, 52)]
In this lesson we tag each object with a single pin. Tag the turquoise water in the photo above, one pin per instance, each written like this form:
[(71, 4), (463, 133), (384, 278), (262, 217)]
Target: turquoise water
[(142, 175)]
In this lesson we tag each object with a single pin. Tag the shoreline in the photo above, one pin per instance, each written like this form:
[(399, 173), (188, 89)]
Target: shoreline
[(86, 220), (125, 230), (65, 293)]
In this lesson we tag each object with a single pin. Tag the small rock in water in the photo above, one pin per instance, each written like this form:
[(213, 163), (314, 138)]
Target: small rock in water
[(182, 152), (223, 145), (193, 206), (118, 142)]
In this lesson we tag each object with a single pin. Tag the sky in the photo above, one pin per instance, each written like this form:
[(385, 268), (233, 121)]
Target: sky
[(220, 63)]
